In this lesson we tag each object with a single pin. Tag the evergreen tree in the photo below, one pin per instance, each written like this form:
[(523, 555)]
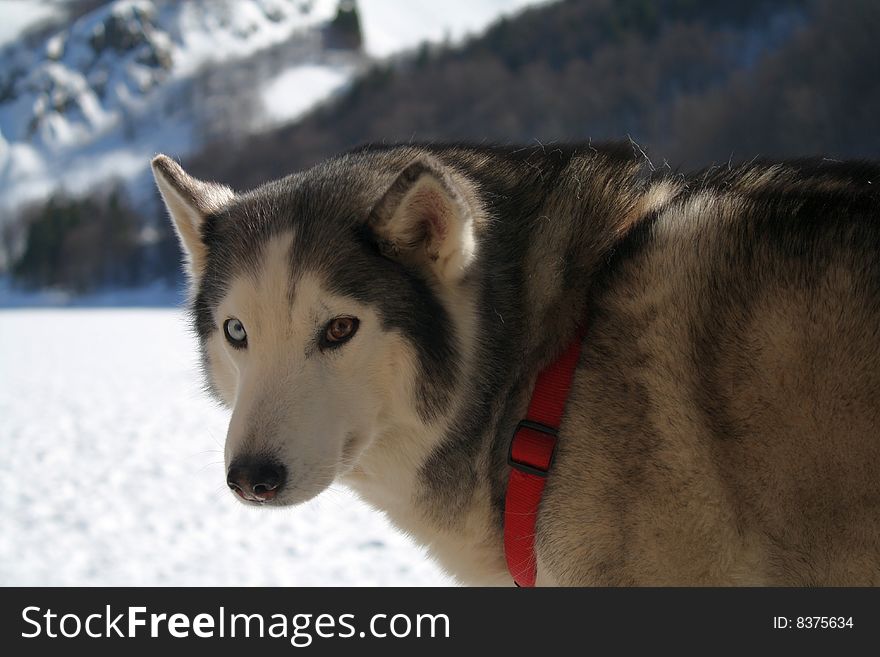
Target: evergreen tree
[(344, 30)]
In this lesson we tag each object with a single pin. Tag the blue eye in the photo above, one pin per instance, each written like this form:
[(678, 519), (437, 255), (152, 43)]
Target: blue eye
[(235, 333)]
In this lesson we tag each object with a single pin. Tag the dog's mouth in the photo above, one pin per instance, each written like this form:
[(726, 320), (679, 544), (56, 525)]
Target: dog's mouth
[(264, 504), (290, 495), (258, 497)]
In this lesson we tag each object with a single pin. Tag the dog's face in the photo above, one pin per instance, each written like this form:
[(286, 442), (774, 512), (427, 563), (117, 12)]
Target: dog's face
[(325, 307)]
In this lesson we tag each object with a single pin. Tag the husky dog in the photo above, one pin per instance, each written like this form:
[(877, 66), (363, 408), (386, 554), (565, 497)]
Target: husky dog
[(380, 320)]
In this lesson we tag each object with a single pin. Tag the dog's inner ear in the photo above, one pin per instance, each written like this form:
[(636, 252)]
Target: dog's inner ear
[(424, 220), (189, 201)]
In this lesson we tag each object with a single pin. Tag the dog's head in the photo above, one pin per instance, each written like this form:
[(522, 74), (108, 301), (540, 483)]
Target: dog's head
[(327, 306)]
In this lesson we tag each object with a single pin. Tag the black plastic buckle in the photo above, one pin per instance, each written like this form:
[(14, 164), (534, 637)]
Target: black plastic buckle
[(525, 467)]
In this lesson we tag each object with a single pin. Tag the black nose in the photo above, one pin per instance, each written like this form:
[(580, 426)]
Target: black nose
[(256, 479)]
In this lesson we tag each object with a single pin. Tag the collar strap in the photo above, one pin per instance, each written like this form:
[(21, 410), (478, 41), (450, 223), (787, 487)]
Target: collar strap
[(532, 449)]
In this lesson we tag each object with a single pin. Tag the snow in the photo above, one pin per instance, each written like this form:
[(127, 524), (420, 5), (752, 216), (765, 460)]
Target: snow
[(117, 83), (18, 15), (298, 89), (112, 471), (390, 26), (116, 86), (227, 30)]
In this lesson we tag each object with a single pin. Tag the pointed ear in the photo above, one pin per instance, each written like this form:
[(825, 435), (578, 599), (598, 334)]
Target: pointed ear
[(427, 219), (189, 201)]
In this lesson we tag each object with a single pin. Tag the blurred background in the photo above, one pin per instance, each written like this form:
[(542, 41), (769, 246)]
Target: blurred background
[(111, 453)]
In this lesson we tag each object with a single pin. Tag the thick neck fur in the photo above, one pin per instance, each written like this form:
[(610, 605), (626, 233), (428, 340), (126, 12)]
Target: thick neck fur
[(557, 216), (554, 216)]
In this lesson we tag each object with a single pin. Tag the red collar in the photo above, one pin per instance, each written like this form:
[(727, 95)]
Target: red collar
[(532, 449)]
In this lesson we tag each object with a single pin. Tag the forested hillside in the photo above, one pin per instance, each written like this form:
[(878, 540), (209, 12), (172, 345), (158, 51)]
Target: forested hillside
[(694, 82)]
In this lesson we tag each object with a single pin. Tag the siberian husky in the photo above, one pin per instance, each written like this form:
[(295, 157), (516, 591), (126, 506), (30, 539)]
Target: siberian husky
[(380, 320)]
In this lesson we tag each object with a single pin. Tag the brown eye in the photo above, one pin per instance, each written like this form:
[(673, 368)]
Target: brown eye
[(339, 331)]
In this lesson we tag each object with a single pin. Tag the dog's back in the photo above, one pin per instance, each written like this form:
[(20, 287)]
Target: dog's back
[(724, 426)]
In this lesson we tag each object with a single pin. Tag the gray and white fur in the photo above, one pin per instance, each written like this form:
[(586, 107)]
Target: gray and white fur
[(724, 423)]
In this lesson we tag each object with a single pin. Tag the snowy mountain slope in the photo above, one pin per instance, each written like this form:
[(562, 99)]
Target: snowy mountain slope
[(390, 26), (21, 15), (97, 99), (99, 96)]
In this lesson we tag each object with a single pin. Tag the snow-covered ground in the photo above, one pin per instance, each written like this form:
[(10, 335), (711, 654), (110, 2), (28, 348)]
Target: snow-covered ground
[(112, 471)]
